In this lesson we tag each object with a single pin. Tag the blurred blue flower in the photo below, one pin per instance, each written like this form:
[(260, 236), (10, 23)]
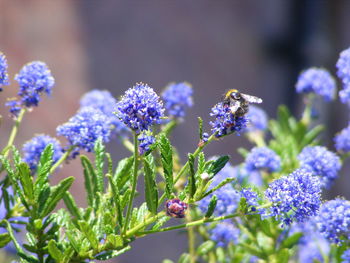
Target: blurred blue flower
[(346, 256), (85, 127), (224, 233), (225, 122), (295, 197), (15, 106), (262, 158), (177, 97), (342, 140), (343, 66), (245, 177), (227, 197), (333, 220), (140, 108), (258, 119), (145, 141), (344, 95), (4, 78), (319, 81), (33, 149), (321, 162), (107, 104)]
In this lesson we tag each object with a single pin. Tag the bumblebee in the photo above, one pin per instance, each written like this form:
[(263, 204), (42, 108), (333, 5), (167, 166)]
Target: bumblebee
[(239, 102)]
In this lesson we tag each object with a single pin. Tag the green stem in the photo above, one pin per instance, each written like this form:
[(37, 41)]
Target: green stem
[(134, 182), (14, 132), (191, 224), (127, 144), (62, 159), (185, 167), (191, 241), (169, 127), (145, 223)]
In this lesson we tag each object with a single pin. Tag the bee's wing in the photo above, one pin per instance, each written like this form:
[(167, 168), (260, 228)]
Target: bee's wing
[(251, 99)]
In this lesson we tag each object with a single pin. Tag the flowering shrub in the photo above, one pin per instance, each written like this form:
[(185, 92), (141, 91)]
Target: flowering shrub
[(270, 208)]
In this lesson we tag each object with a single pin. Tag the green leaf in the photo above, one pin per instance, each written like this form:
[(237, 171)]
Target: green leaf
[(184, 258), (206, 247), (123, 171), (110, 163), (57, 193), (201, 163), (218, 164), (88, 233), (99, 163), (116, 199), (166, 153), (54, 251), (167, 261), (311, 136), (291, 240), (283, 256), (112, 254), (71, 205), (115, 240), (45, 162), (89, 174), (192, 180), (224, 182), (160, 222), (5, 238), (151, 191), (211, 206), (26, 181)]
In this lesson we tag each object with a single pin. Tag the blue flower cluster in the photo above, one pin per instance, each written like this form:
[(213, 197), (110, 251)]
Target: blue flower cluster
[(83, 129), (4, 77), (346, 256), (106, 103), (140, 108), (262, 158), (295, 197), (245, 177), (321, 162), (343, 66), (145, 141), (251, 198), (257, 119), (227, 197), (34, 79), (333, 220), (225, 122), (33, 149), (344, 95), (177, 97), (319, 81), (224, 233)]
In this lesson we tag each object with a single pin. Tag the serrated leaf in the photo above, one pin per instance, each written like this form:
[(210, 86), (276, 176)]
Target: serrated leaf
[(151, 191), (71, 205), (211, 206), (123, 171), (99, 163), (56, 195), (166, 153), (5, 238), (116, 199), (54, 251), (44, 165), (115, 240), (88, 233), (160, 222), (291, 241), (89, 175), (201, 163), (218, 164), (191, 180), (26, 181)]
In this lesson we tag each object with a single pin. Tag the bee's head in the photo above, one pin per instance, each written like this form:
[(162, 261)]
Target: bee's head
[(235, 95)]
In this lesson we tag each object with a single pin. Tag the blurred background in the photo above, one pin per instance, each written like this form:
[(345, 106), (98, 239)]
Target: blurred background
[(258, 47)]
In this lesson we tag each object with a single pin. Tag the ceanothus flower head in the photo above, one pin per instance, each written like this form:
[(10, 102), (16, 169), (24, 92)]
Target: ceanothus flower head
[(245, 177), (344, 94), (34, 79), (343, 66), (33, 149), (4, 77), (321, 162), (224, 233), (225, 122), (342, 140), (333, 220), (296, 197), (227, 197), (319, 81), (106, 103), (140, 108), (177, 97), (85, 127), (257, 119), (145, 141), (251, 198), (262, 158), (346, 256)]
